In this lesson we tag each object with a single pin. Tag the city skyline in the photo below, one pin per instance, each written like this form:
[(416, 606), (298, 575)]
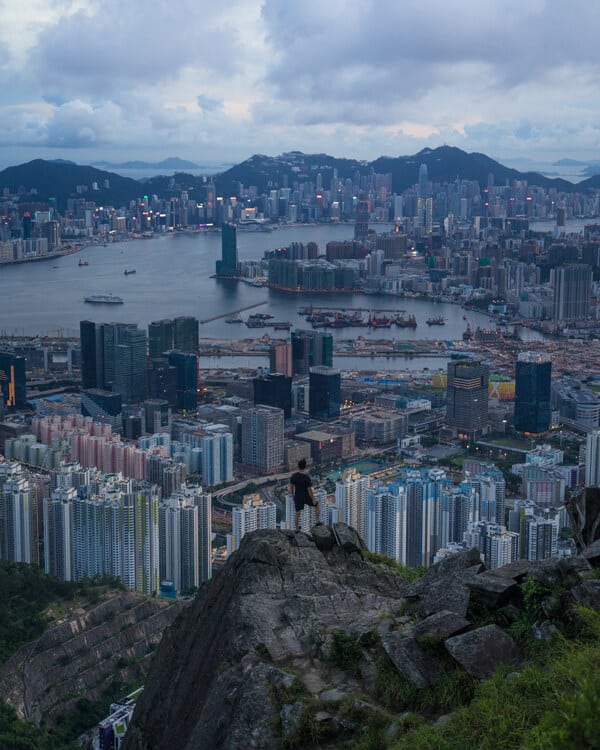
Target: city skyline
[(257, 77)]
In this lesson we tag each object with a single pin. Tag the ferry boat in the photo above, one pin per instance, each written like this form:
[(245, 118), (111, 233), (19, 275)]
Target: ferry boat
[(103, 299), (83, 262), (440, 321)]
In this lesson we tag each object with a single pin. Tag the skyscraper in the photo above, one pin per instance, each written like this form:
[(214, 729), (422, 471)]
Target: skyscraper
[(227, 266), (18, 516), (467, 402), (253, 514), (324, 392), (186, 367), (592, 459), (102, 406), (129, 378), (92, 354), (361, 225), (351, 497), (280, 358), (160, 337), (572, 288), (13, 387), (217, 458), (532, 392), (185, 334), (162, 381), (423, 181), (274, 390), (309, 349), (262, 438)]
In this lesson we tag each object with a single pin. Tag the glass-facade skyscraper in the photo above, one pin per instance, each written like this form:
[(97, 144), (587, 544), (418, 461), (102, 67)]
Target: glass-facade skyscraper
[(311, 349), (227, 266), (533, 379), (324, 392), (467, 404)]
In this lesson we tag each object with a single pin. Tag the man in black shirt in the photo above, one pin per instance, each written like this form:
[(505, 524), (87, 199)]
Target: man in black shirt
[(302, 492)]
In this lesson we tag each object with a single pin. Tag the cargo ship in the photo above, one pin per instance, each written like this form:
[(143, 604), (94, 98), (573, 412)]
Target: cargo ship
[(440, 321), (405, 322), (103, 299)]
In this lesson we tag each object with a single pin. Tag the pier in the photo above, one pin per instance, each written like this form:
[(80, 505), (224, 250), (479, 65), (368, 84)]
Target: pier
[(233, 312)]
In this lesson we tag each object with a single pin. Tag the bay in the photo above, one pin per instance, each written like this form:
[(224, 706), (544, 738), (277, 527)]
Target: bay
[(173, 278)]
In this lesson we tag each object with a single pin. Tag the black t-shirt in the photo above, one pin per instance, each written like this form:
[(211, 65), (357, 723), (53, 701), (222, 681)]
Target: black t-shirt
[(301, 482)]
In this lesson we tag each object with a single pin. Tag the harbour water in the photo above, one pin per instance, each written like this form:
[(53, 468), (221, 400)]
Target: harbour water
[(173, 278)]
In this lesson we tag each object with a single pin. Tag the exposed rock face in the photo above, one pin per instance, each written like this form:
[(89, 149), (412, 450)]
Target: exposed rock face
[(584, 510), (272, 606), (251, 661), (81, 654)]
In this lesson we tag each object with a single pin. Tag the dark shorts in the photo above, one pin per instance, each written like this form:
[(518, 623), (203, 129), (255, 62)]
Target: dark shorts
[(300, 503)]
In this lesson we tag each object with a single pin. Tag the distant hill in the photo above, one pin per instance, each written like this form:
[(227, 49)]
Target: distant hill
[(41, 180), (173, 162)]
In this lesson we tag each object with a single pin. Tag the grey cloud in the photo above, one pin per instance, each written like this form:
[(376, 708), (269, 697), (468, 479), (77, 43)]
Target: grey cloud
[(209, 103), (124, 45)]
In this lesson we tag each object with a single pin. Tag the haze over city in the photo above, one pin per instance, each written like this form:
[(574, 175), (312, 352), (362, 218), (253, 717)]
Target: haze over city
[(87, 80)]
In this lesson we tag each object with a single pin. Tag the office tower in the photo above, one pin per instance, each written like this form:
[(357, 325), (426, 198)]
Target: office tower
[(111, 338), (160, 337), (274, 390), (157, 416), (280, 358), (467, 397), (58, 552), (592, 459), (185, 334), (162, 381), (351, 497), (252, 515), (423, 182), (572, 288), (227, 266), (27, 226), (262, 438), (92, 354), (12, 381), (361, 225), (309, 349), (324, 392), (102, 406), (217, 458), (130, 365), (186, 367), (532, 392), (51, 231)]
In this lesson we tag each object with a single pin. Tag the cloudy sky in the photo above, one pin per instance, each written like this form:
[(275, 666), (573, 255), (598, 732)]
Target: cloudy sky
[(210, 81)]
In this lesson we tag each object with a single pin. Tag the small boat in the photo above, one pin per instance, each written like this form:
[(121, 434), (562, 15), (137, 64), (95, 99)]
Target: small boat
[(129, 271), (234, 320), (83, 262), (103, 299), (439, 321)]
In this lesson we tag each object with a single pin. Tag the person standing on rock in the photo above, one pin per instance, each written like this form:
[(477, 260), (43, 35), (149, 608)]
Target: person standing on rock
[(302, 492)]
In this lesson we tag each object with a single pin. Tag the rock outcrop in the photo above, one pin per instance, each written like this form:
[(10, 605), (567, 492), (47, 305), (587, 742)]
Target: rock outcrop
[(296, 639), (83, 653)]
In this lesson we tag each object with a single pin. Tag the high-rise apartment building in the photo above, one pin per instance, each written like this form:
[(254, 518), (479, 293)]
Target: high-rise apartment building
[(262, 438), (467, 397), (572, 289), (252, 515), (18, 516), (217, 458), (58, 521), (533, 380), (324, 392), (310, 349), (592, 459), (351, 497)]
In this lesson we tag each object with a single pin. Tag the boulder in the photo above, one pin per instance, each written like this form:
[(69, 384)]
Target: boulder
[(587, 593), (347, 538), (479, 652), (410, 659), (323, 537), (555, 572), (444, 586), (290, 717), (517, 570), (440, 625), (592, 554), (493, 591)]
